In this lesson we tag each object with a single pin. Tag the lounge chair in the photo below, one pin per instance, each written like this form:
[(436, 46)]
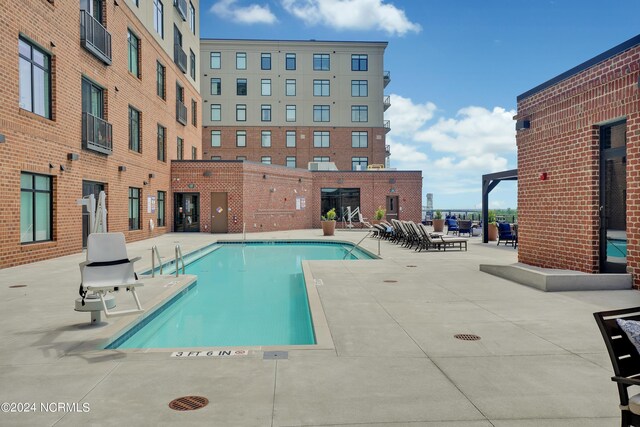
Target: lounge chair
[(442, 242), (625, 358), (107, 269), (505, 234)]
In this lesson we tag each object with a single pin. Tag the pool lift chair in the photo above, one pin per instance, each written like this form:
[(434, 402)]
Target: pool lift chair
[(107, 269)]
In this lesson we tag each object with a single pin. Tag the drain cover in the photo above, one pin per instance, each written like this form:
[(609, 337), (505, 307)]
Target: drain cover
[(390, 281), (18, 286), (467, 337), (411, 265), (272, 355), (188, 403)]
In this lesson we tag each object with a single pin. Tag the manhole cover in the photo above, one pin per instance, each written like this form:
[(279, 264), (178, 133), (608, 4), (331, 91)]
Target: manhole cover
[(411, 265), (390, 281), (188, 403), (18, 286), (467, 337)]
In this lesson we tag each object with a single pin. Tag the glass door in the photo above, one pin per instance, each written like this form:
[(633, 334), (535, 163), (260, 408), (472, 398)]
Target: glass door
[(187, 212)]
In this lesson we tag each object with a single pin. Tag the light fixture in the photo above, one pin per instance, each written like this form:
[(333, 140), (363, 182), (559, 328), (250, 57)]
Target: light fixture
[(73, 156), (543, 176), (63, 168), (51, 166), (272, 190), (152, 175), (53, 44), (115, 2), (264, 176), (122, 168), (117, 90), (299, 179), (145, 182)]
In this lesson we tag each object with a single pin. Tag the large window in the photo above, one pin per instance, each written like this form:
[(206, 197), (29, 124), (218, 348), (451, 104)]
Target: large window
[(134, 208), (180, 148), (214, 60), (265, 87), (321, 62), (291, 162), (194, 153), (290, 89), (216, 86), (339, 199), (266, 139), (216, 138), (158, 17), (321, 159), (321, 139), (241, 61), (359, 113), (359, 88), (359, 63), (359, 139), (92, 98), (321, 88), (241, 87), (36, 207), (194, 112), (35, 79), (320, 113), (266, 160), (192, 65), (291, 113), (241, 112), (290, 61), (216, 112), (162, 143), (359, 163), (134, 53), (291, 138), (265, 113), (161, 80), (192, 18), (265, 61), (162, 203), (134, 130), (241, 138)]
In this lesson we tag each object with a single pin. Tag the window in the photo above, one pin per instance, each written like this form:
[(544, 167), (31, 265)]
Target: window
[(216, 112), (241, 87), (291, 113), (216, 158), (291, 161), (158, 17), (321, 139), (359, 113), (265, 61), (339, 199), (241, 61), (36, 208), (215, 138), (192, 18), (192, 65), (162, 216), (321, 62), (161, 80), (92, 99), (359, 88), (265, 87), (359, 62), (134, 53), (35, 79), (359, 139), (290, 88), (241, 138), (241, 112), (321, 88), (162, 143), (290, 61), (266, 160), (134, 130), (194, 153), (291, 138), (359, 163), (194, 112), (320, 113), (180, 149), (265, 113), (321, 159), (214, 60), (241, 158), (266, 139), (216, 86), (134, 208)]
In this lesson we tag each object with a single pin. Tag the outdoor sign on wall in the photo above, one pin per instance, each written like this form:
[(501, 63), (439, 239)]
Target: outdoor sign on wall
[(300, 203), (151, 204)]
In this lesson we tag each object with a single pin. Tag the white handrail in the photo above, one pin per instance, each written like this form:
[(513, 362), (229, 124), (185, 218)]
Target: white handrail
[(357, 245), (179, 257), (155, 253)]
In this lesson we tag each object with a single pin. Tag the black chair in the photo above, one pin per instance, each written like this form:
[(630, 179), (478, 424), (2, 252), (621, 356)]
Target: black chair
[(504, 233), (624, 358)]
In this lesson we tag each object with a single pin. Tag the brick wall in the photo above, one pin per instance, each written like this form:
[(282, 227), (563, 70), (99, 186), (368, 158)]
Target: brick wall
[(559, 217)]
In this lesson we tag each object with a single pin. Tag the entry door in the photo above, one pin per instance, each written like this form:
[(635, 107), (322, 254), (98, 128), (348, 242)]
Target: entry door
[(186, 215), (219, 213), (392, 208), (613, 198), (89, 187)]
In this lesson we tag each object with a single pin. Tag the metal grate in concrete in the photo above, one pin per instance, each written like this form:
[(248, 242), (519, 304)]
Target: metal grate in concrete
[(273, 355), (188, 403)]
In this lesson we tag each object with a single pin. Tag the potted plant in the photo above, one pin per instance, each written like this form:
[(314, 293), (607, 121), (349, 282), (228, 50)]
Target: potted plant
[(329, 222), (492, 226), (438, 222), (378, 215)]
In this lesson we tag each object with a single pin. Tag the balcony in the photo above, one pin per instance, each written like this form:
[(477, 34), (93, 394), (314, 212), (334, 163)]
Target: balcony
[(181, 113), (387, 150), (386, 102), (386, 77), (181, 5), (180, 58), (96, 134), (94, 37), (387, 126)]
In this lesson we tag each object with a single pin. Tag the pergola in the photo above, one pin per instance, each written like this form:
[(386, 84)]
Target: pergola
[(489, 182)]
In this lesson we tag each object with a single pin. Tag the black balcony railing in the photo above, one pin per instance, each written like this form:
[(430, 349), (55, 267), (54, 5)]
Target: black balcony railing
[(386, 78), (387, 126), (181, 112), (387, 150), (96, 134), (94, 37), (181, 5), (180, 57), (386, 102)]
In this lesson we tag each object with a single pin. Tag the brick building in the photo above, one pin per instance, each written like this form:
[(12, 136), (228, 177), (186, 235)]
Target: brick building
[(96, 95), (294, 102), (578, 160)]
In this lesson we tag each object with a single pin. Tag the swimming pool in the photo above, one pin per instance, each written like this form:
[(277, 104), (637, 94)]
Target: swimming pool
[(251, 294)]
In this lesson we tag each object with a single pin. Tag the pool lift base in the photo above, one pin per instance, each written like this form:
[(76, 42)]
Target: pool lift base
[(100, 301)]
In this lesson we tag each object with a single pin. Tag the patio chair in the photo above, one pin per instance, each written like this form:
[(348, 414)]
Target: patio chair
[(625, 358), (505, 234), (107, 269), (464, 226), (452, 225)]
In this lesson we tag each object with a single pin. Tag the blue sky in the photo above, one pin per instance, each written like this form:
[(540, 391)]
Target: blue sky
[(456, 69)]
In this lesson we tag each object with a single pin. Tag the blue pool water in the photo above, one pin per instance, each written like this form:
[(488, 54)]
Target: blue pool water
[(246, 295)]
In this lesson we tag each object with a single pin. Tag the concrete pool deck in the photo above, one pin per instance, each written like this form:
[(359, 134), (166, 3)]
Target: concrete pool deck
[(540, 361)]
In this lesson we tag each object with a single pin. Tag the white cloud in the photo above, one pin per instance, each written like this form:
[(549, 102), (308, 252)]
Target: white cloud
[(252, 14), (406, 117), (352, 15)]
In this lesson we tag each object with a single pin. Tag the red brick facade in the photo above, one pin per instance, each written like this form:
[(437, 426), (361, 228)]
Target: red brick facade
[(559, 217)]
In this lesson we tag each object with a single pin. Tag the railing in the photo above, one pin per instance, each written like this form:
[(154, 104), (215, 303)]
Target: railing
[(179, 258), (96, 134), (181, 112), (154, 254), (181, 5), (357, 245), (94, 37), (387, 126), (387, 150), (386, 77), (386, 102), (180, 57)]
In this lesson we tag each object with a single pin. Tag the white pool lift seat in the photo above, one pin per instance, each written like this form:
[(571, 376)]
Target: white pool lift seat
[(107, 269)]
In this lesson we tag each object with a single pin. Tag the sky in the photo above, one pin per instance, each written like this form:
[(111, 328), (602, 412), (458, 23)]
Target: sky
[(456, 67)]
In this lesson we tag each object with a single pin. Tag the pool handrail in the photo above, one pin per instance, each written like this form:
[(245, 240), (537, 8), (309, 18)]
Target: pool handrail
[(357, 245), (155, 253), (179, 257)]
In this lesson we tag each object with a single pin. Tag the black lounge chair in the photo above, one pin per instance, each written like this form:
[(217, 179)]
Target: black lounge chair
[(505, 234)]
